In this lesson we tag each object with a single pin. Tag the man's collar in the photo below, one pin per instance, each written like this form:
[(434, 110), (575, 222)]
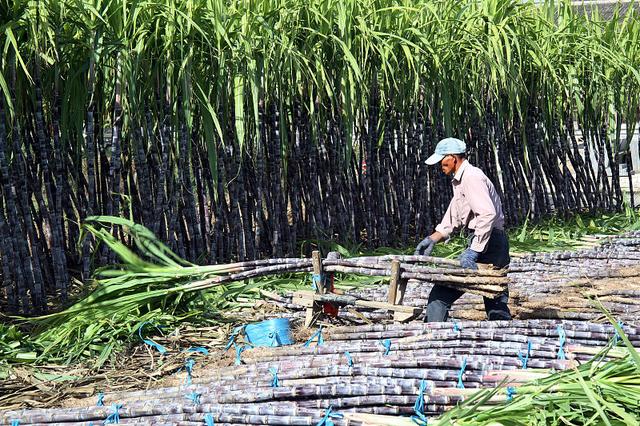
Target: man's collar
[(461, 170)]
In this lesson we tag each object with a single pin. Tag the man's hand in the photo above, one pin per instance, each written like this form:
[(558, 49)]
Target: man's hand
[(425, 247), (468, 259)]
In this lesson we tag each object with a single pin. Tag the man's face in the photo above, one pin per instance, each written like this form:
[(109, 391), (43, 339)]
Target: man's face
[(448, 164)]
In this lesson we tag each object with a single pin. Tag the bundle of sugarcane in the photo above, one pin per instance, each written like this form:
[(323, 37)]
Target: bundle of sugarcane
[(597, 392), (352, 373), (601, 392), (608, 272)]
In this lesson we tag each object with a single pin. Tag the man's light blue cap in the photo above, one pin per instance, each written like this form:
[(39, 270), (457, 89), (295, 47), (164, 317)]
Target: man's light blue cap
[(445, 147)]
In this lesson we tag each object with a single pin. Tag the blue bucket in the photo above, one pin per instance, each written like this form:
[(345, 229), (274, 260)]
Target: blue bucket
[(273, 332)]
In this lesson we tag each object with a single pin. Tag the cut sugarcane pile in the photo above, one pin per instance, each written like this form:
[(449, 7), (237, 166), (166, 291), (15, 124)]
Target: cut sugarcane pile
[(358, 371), (554, 285)]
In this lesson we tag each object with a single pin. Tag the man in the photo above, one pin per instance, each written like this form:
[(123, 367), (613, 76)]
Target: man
[(476, 205)]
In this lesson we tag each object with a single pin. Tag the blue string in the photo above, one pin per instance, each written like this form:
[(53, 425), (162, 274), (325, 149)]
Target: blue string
[(525, 359), (188, 365), (349, 359), (232, 338), (317, 334), (199, 349), (387, 346), (150, 342), (562, 339), (239, 350), (418, 407), (456, 327), (208, 419), (510, 392), (114, 417), (15, 422), (194, 397), (616, 336), (316, 280), (461, 372), (100, 402), (326, 420), (275, 382)]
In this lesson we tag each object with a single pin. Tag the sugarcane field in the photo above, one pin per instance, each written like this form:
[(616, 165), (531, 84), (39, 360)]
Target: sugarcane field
[(320, 213)]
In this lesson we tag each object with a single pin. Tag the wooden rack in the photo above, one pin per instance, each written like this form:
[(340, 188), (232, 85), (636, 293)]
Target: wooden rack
[(324, 293)]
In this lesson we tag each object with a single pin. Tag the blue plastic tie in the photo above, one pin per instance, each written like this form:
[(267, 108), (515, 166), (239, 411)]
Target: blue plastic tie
[(456, 327), (510, 392), (326, 420), (199, 349), (349, 359), (387, 346), (150, 342), (100, 402), (562, 339), (418, 407), (208, 420), (232, 338), (188, 365), (317, 334), (616, 335), (15, 422), (274, 339), (316, 280), (114, 417), (461, 372), (420, 419), (525, 359), (239, 350), (275, 382), (194, 397)]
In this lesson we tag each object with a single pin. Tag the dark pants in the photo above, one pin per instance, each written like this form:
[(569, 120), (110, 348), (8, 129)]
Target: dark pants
[(441, 298)]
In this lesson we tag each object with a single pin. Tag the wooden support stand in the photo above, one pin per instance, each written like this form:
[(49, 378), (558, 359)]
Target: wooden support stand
[(397, 288), (314, 301), (314, 311), (309, 299)]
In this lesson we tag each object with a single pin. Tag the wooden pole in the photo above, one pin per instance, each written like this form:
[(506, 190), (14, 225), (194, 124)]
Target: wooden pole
[(318, 273), (314, 309), (393, 283), (397, 289)]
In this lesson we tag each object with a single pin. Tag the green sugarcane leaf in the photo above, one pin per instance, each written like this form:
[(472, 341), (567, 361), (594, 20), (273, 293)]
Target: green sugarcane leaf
[(593, 398), (239, 119), (25, 356), (632, 350)]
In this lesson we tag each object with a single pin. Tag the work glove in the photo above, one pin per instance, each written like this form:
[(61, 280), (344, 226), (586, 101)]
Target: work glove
[(468, 259), (425, 247)]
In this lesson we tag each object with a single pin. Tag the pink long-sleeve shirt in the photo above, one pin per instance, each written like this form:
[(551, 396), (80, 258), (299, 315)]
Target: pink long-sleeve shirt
[(475, 203)]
